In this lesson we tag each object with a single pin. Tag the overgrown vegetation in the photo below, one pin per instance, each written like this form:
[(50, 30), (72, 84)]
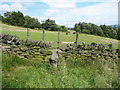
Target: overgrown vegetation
[(72, 73)]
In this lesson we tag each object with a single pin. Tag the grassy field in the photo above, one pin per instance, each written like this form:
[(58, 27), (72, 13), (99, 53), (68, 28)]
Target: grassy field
[(70, 73), (52, 36), (24, 73)]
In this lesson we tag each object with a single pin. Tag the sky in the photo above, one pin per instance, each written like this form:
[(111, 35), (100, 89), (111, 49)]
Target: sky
[(66, 12)]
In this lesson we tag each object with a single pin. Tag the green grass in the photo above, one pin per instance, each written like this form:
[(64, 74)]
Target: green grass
[(72, 73), (52, 36), (24, 73)]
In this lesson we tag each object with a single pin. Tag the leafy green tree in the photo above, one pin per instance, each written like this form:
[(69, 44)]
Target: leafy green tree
[(54, 28), (32, 22), (48, 24), (14, 18), (28, 22), (102, 30), (18, 19), (64, 28), (7, 17), (77, 28), (99, 31)]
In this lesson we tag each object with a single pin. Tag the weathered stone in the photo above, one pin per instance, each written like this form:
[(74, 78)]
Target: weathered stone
[(118, 51), (93, 45), (88, 47), (23, 49), (19, 52), (15, 38), (16, 49), (26, 55), (54, 58), (79, 46), (37, 53)]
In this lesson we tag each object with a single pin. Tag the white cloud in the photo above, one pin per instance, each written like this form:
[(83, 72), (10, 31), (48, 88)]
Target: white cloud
[(104, 13), (55, 5), (13, 7), (65, 11), (58, 4), (59, 0), (50, 12)]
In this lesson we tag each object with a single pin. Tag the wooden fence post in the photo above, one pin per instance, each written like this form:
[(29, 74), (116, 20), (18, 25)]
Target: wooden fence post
[(43, 35), (58, 39), (28, 34), (76, 38)]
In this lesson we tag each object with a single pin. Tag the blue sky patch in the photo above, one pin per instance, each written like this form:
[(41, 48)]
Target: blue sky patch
[(36, 8), (85, 4)]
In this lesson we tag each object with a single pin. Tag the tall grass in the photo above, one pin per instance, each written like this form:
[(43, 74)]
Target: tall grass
[(72, 73)]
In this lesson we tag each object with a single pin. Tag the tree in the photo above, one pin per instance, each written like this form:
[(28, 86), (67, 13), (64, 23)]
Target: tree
[(102, 30), (28, 22), (54, 28), (32, 22), (77, 28), (18, 19), (48, 24), (7, 19), (14, 18), (64, 28), (99, 31)]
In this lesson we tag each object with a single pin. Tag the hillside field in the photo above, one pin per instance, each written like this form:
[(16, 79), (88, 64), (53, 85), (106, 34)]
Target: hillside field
[(52, 36), (71, 72)]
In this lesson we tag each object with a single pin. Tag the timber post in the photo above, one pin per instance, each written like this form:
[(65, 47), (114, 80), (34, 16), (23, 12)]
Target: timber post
[(43, 35), (28, 34), (58, 39), (76, 41)]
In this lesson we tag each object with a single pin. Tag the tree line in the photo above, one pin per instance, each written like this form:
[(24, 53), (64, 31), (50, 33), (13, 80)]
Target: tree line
[(102, 30), (19, 19)]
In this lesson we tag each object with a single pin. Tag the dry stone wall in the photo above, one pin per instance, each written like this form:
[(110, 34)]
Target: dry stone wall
[(25, 48), (39, 49), (92, 51)]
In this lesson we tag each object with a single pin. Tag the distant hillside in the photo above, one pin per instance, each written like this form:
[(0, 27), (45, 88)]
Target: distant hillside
[(19, 19), (52, 36)]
